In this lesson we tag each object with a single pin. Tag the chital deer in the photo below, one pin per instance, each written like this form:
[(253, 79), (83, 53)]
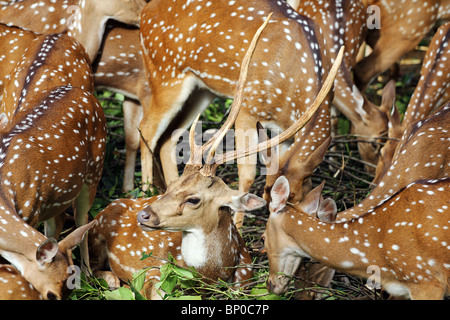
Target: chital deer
[(344, 23), (182, 54), (413, 160), (42, 261), (118, 241), (405, 238), (85, 20), (402, 26), (53, 70), (38, 62), (120, 66), (13, 286), (431, 92)]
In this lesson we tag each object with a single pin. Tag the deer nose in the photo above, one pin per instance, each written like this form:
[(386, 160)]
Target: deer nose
[(143, 216)]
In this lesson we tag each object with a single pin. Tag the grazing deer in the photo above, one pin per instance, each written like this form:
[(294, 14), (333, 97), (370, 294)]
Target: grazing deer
[(432, 91), (404, 238), (402, 26), (43, 262), (413, 160), (180, 59), (13, 286)]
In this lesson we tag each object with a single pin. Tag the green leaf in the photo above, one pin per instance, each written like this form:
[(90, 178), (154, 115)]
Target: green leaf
[(139, 279), (181, 272), (119, 294), (264, 294)]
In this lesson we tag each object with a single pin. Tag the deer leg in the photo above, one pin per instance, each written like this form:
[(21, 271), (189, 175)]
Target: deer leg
[(132, 116), (163, 108), (195, 105), (246, 137), (81, 209), (381, 59), (54, 226)]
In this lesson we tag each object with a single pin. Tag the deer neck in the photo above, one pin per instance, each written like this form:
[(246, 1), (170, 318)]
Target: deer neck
[(208, 250), (342, 246), (88, 27), (18, 241)]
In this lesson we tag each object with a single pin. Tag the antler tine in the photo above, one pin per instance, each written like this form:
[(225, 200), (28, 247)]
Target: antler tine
[(237, 102), (296, 126), (196, 151)]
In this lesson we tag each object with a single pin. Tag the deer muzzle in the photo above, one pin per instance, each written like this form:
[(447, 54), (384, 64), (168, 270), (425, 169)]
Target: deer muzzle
[(148, 220)]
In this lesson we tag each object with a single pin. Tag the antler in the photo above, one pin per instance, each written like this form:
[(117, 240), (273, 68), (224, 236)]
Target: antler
[(197, 152), (294, 128)]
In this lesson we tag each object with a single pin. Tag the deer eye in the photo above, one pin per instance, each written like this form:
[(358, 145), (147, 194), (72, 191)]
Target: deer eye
[(193, 201)]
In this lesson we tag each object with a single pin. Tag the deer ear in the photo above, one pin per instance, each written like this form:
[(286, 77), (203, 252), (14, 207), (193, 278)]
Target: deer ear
[(246, 202), (46, 251), (311, 202), (75, 237), (388, 98), (3, 120), (327, 210), (279, 195)]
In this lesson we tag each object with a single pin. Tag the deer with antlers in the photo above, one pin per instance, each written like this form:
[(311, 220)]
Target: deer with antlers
[(206, 228), (200, 224), (180, 58), (15, 287)]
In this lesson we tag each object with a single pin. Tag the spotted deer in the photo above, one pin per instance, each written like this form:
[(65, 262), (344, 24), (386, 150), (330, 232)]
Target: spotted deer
[(402, 26), (117, 243), (42, 262), (404, 237), (118, 66), (52, 69), (13, 286), (432, 91), (180, 58)]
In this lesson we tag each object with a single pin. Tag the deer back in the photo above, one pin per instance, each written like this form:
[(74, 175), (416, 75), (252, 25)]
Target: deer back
[(49, 61)]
